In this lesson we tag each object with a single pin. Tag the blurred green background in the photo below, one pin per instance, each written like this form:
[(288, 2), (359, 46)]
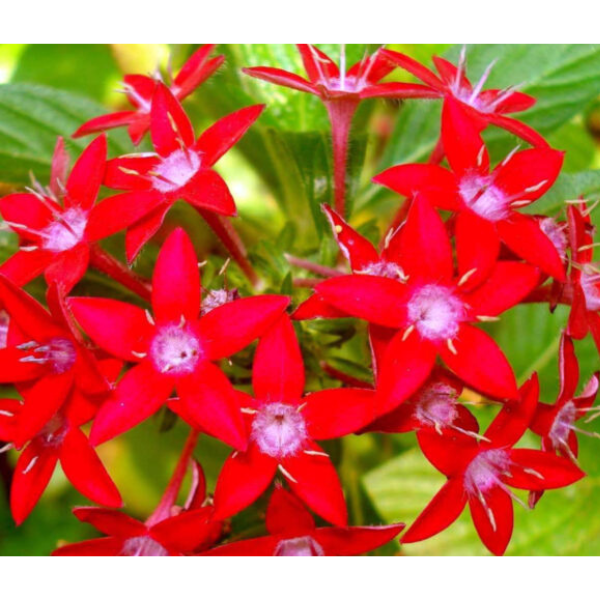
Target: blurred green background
[(279, 175)]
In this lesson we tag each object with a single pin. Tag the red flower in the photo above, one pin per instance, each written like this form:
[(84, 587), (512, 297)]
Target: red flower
[(584, 276), (140, 89), (485, 201), (480, 473), (490, 106), (174, 348), (192, 529), (432, 311), (292, 532), (57, 238), (45, 359), (181, 168), (555, 423), (282, 426)]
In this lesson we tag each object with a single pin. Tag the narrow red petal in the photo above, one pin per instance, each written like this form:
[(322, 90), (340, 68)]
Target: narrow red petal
[(87, 174)]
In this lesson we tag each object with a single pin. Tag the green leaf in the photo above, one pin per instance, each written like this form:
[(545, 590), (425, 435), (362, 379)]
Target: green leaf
[(31, 118), (568, 186)]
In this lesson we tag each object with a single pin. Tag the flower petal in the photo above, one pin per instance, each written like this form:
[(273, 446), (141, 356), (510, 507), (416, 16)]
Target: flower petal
[(232, 326), (281, 77), (176, 270), (196, 70), (86, 176), (287, 516), (494, 521), (110, 522), (139, 233), (117, 327), (187, 531), (352, 541), (208, 190), (100, 547), (493, 376), (568, 369), (169, 124), (439, 514), (104, 122)]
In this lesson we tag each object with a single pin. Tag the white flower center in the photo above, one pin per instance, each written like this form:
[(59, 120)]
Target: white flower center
[(483, 198), (436, 405), (562, 425), (143, 546), (300, 546), (484, 471), (590, 284), (176, 170), (54, 432), (385, 268), (66, 232), (175, 350), (279, 430), (436, 312), (556, 234)]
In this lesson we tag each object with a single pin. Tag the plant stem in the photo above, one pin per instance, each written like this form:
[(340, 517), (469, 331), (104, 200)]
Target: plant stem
[(308, 265), (163, 510), (108, 264), (232, 241)]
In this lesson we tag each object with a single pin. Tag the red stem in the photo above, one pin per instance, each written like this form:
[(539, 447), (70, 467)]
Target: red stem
[(308, 265), (344, 378), (107, 263), (340, 113), (167, 502), (232, 241)]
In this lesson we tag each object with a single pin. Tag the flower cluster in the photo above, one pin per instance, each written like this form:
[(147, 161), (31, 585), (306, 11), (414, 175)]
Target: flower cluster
[(460, 253)]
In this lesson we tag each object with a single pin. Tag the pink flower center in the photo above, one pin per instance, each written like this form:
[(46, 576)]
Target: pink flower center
[(384, 268), (590, 284), (300, 546), (556, 234), (54, 432), (562, 426), (66, 232), (143, 545), (436, 405), (436, 312), (58, 353), (176, 170), (483, 198), (216, 298), (175, 350), (484, 471), (279, 430), (4, 322)]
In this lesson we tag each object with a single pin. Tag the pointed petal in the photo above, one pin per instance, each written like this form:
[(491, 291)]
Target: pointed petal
[(86, 472), (87, 174), (578, 317), (281, 77), (68, 268), (24, 266), (176, 269), (439, 514), (523, 235), (188, 530), (535, 470), (208, 190), (353, 541), (314, 479), (375, 299), (225, 133), (110, 522), (244, 477), (100, 547), (117, 327), (104, 122), (13, 369), (518, 128), (450, 451), (27, 210), (315, 307), (415, 68), (278, 373), (131, 172), (494, 522), (334, 413), (169, 125), (397, 90), (405, 367), (140, 393), (232, 326), (506, 286), (568, 369), (287, 516), (594, 325), (31, 476), (196, 70), (317, 63), (262, 546), (211, 401), (515, 102), (494, 376), (141, 232)]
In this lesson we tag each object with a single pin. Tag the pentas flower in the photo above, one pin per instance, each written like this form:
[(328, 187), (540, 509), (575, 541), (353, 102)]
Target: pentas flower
[(584, 277), (489, 106), (173, 348), (485, 201), (433, 312), (181, 167), (58, 228), (139, 90), (283, 425), (45, 359), (341, 90), (292, 532), (481, 474), (555, 423)]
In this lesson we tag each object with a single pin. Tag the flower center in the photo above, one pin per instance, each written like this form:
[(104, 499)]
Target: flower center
[(4, 323), (436, 312), (175, 350), (562, 425), (176, 170), (54, 432), (300, 546), (65, 232), (216, 298), (483, 198), (385, 268), (59, 353), (143, 546), (436, 405), (590, 284), (484, 471), (556, 235), (279, 430)]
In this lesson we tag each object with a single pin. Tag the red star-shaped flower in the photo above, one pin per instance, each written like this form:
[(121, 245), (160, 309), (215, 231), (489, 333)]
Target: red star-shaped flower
[(175, 348), (481, 473), (181, 167), (432, 311), (58, 228), (485, 201), (140, 89), (292, 532), (283, 426), (489, 106)]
